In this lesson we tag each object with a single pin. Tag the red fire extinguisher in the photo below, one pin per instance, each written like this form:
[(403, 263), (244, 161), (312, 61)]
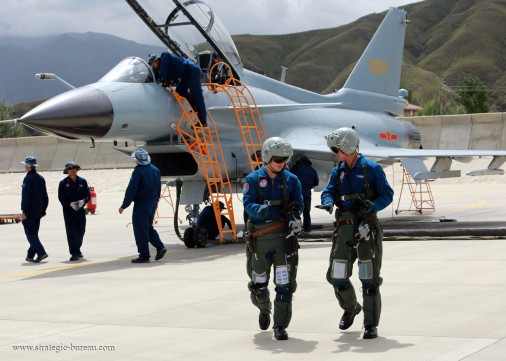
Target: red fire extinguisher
[(92, 203)]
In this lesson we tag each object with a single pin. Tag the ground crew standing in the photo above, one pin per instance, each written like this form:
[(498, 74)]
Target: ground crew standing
[(359, 189), (34, 202), (144, 190), (272, 197), (74, 193), (187, 75), (308, 178)]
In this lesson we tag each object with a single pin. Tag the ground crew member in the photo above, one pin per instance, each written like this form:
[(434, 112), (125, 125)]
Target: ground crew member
[(359, 189), (272, 197), (207, 221), (188, 75), (34, 202), (74, 193), (308, 177), (144, 190)]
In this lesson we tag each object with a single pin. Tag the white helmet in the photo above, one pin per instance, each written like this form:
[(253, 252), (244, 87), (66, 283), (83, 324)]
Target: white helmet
[(276, 147), (345, 139)]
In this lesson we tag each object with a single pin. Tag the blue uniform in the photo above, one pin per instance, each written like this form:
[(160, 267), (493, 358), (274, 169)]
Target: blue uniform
[(144, 190), (188, 75), (207, 220), (260, 187), (34, 202), (308, 177), (366, 180), (75, 221), (353, 182)]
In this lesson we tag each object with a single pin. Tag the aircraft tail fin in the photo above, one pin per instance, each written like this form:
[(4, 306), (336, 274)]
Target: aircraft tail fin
[(379, 68)]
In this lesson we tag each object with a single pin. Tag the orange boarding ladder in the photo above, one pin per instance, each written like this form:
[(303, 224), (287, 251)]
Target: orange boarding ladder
[(245, 109), (205, 147), (421, 194)]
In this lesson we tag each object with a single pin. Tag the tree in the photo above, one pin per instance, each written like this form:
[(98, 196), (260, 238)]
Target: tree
[(9, 130), (473, 95), (443, 106)]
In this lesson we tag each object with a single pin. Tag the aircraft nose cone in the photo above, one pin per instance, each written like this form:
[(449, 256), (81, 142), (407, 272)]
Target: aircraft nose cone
[(77, 114)]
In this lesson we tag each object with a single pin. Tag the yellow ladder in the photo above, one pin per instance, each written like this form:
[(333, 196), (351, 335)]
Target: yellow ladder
[(205, 147), (421, 194), (246, 112)]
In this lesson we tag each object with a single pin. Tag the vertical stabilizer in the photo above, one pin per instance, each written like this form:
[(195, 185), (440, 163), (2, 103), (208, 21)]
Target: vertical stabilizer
[(379, 68)]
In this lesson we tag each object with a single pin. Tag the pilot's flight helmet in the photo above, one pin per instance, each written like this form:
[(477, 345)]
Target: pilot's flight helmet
[(345, 139), (152, 58), (276, 147), (141, 156), (70, 164), (30, 161)]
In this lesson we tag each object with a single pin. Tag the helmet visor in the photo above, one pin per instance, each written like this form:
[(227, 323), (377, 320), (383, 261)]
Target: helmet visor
[(279, 160)]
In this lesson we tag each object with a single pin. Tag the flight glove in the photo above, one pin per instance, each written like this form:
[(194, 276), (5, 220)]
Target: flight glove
[(369, 205), (327, 206), (263, 212)]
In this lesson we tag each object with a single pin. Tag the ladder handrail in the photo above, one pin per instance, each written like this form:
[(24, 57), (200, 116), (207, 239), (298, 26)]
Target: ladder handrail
[(209, 157), (244, 105)]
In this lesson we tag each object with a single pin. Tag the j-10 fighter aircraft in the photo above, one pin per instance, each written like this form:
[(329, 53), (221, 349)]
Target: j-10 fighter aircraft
[(127, 107)]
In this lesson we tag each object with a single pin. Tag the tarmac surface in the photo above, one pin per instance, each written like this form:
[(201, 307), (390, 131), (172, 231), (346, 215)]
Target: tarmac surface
[(443, 297)]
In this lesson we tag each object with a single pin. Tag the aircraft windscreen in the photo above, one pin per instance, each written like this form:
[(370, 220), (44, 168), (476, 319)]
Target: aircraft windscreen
[(208, 22), (129, 70)]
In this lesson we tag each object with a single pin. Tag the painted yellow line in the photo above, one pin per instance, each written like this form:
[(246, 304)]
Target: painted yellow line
[(63, 268), (480, 203)]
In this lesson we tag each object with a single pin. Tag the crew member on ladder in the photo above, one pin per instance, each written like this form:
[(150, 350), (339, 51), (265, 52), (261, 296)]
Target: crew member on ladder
[(272, 197), (172, 69), (359, 189)]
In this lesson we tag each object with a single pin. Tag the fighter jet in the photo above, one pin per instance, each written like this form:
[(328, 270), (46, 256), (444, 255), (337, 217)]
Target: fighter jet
[(128, 108)]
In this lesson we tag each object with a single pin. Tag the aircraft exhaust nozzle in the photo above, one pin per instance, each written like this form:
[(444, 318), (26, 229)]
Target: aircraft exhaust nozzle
[(77, 114)]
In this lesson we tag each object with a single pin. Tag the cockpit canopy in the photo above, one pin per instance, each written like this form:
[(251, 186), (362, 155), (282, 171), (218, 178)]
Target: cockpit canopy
[(130, 70)]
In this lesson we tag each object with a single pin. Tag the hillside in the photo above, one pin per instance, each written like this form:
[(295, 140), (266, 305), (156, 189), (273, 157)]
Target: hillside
[(78, 58), (446, 40)]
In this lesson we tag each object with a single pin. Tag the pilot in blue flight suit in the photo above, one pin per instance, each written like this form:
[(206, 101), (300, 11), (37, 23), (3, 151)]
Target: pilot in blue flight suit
[(74, 193), (359, 189), (308, 177), (188, 75), (34, 202), (272, 197), (144, 190), (207, 221)]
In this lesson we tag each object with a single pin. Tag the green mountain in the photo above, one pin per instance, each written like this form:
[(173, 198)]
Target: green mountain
[(446, 40)]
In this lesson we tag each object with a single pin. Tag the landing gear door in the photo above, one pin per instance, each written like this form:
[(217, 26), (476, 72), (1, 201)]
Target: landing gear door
[(211, 33)]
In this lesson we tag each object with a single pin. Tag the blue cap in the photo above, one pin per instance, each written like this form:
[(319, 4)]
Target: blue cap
[(30, 161), (152, 58), (141, 156), (70, 164)]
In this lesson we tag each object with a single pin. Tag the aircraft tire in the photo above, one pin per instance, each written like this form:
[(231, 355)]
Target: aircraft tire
[(188, 237), (200, 237)]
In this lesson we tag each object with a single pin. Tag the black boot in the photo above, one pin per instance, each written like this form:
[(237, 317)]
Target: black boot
[(280, 333), (370, 332), (348, 317), (264, 320)]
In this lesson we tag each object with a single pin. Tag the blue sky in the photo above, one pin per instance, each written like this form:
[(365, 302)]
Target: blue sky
[(259, 17)]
